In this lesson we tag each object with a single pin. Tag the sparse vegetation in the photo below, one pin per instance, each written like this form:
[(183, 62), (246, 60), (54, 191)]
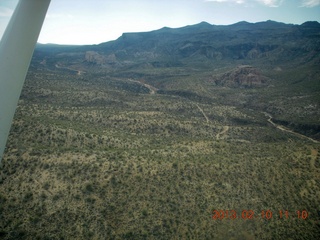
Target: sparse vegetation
[(98, 155)]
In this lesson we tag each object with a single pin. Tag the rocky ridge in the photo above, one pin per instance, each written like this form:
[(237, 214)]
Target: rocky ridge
[(244, 76)]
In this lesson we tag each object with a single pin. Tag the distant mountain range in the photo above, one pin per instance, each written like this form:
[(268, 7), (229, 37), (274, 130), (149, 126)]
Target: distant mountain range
[(265, 44)]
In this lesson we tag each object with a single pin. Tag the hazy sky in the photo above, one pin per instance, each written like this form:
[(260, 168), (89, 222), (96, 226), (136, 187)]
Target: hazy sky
[(96, 21)]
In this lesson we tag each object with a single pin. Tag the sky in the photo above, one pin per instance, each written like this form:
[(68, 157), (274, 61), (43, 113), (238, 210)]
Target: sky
[(80, 22)]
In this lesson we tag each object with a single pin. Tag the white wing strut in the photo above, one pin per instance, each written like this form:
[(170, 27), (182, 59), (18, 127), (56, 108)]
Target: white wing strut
[(16, 49)]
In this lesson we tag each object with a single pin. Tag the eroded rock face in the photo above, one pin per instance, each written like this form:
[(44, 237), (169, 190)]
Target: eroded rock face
[(243, 76), (94, 57), (101, 60)]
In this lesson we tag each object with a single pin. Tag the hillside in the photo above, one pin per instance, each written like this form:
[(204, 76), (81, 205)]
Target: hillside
[(157, 135)]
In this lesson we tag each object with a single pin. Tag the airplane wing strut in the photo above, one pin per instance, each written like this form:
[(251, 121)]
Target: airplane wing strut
[(16, 49)]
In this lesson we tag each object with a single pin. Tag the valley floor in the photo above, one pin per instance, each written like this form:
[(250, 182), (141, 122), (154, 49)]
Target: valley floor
[(109, 160)]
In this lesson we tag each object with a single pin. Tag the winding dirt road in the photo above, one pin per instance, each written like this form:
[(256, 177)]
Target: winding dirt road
[(282, 128), (71, 69), (152, 89), (223, 132), (201, 110)]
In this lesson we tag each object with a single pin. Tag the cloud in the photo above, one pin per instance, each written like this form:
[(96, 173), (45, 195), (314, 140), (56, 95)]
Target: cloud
[(5, 12), (63, 16), (268, 3), (227, 1), (271, 3), (310, 3)]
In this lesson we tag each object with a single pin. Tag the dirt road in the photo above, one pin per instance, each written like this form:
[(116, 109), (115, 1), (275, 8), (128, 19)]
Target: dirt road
[(282, 128), (203, 113), (223, 133), (152, 89)]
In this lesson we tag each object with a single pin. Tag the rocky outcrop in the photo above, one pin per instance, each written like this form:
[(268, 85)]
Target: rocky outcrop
[(243, 76), (94, 57)]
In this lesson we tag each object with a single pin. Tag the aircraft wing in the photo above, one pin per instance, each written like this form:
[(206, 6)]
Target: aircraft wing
[(16, 49)]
